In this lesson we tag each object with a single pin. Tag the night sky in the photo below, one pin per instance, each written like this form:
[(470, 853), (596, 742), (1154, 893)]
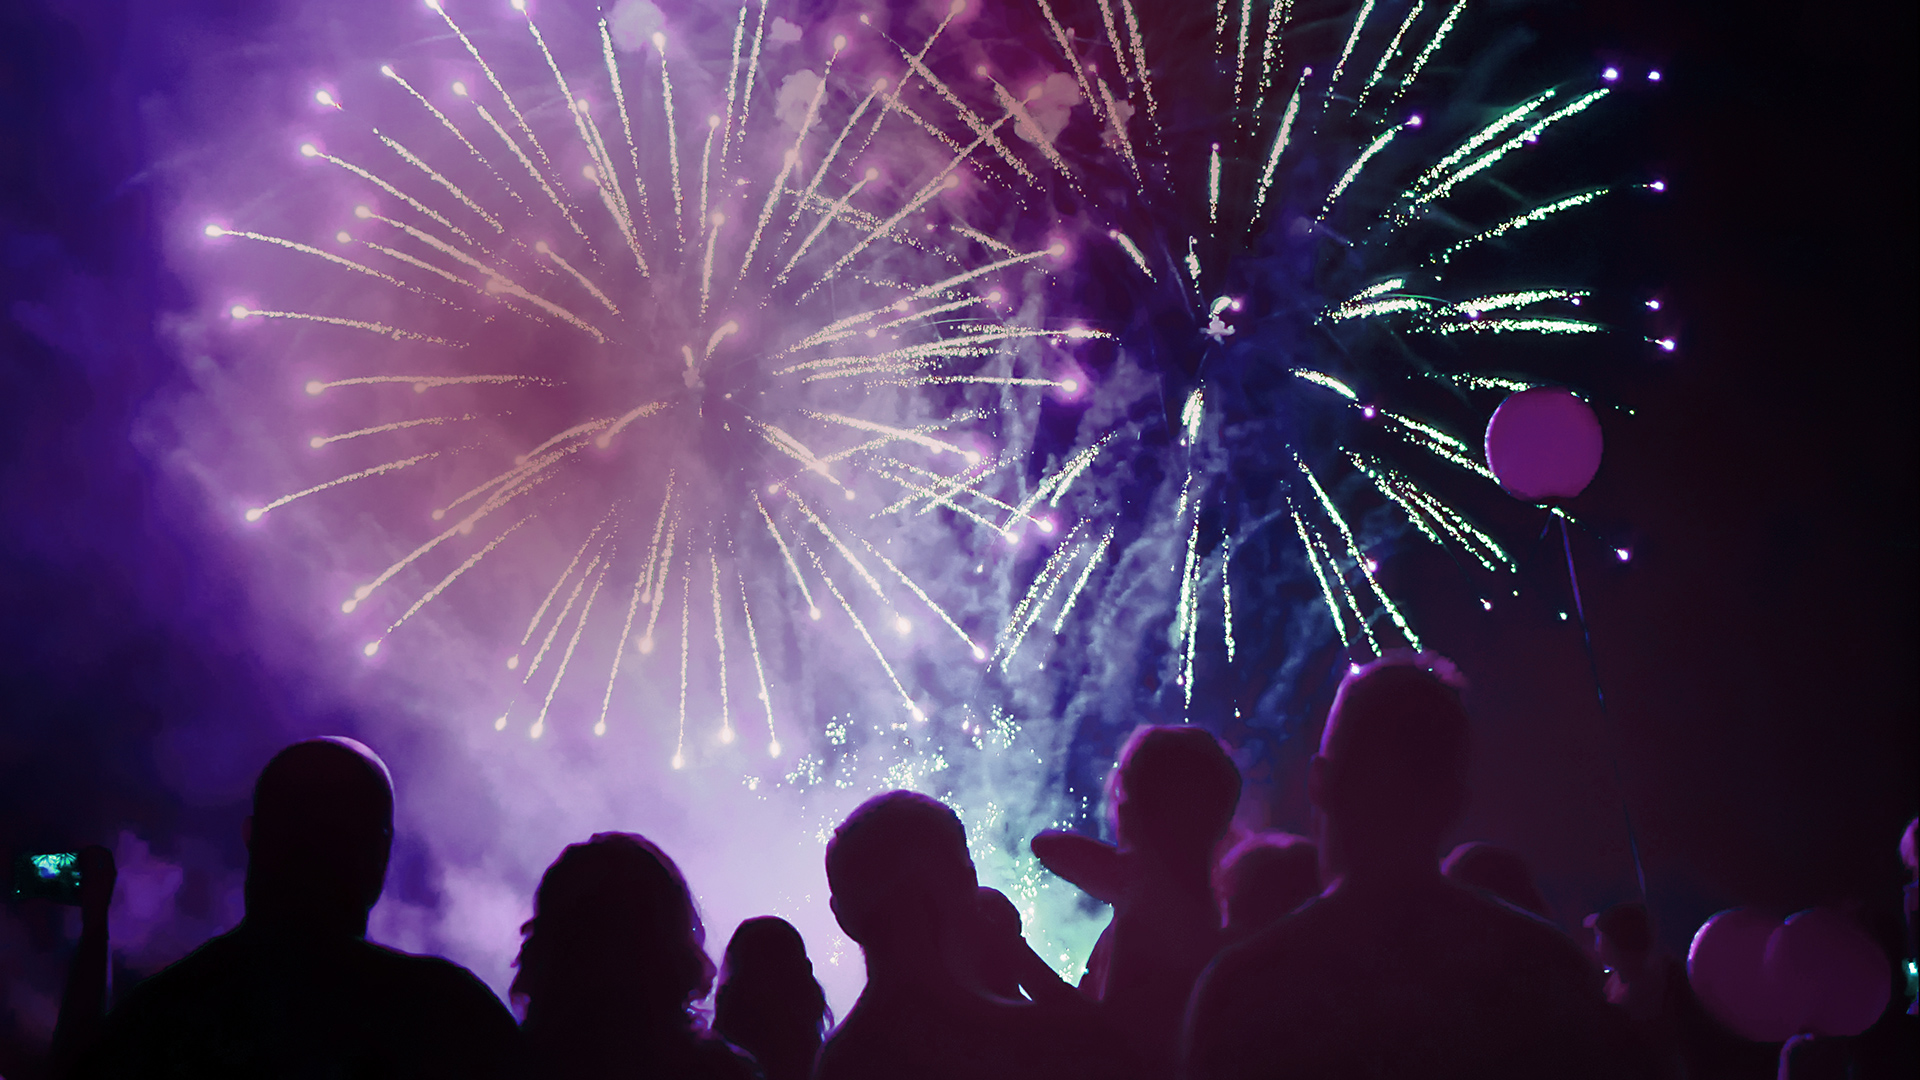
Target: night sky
[(1757, 652)]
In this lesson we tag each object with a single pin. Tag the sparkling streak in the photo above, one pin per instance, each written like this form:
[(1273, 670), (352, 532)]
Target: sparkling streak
[(912, 709), (1353, 171), (541, 612), (553, 632), (1326, 588), (1479, 139), (1346, 51), (1045, 146), (706, 161), (835, 330), (1213, 182), (446, 123), (626, 121), (1015, 632), (585, 282), (1492, 157), (914, 586), (1073, 57), (566, 658), (980, 128), (1508, 326), (942, 181), (426, 382), (918, 438), (659, 598), (472, 561), (1426, 53), (733, 90), (680, 738), (310, 150), (673, 137), (435, 175), (1086, 573), (394, 332), (787, 554), (1133, 250), (1226, 593), (1271, 49), (1279, 146), (620, 649), (846, 552), (1322, 379), (753, 646), (532, 170), (319, 441), (1240, 49), (639, 412), (1139, 43), (753, 71), (720, 651), (647, 575), (960, 345), (1386, 57), (1531, 217), (937, 497), (1376, 308), (495, 80), (259, 512), (791, 160), (1360, 561), (217, 231), (834, 210), (1186, 615)]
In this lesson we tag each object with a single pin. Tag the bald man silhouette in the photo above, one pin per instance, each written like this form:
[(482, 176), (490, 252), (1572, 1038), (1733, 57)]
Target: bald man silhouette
[(296, 990), (1396, 971)]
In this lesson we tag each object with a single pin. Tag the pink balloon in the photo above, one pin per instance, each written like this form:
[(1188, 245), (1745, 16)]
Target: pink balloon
[(1544, 444), (1837, 977), (1727, 967)]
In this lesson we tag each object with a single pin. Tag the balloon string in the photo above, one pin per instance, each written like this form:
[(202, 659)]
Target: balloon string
[(1600, 695)]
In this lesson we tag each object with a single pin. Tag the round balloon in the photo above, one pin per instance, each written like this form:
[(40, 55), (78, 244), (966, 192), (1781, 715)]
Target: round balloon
[(1837, 978), (1544, 444), (1727, 968)]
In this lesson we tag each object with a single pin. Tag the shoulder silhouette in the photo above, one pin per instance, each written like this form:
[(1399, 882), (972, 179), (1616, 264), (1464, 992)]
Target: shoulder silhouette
[(296, 989)]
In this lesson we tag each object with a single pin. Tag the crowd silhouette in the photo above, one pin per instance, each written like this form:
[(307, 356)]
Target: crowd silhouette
[(1230, 956)]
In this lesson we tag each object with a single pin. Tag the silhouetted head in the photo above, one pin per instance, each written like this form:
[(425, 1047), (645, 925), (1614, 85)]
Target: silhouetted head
[(1622, 934), (1391, 775), (1174, 792), (319, 837), (1265, 877), (1497, 871), (899, 869), (614, 938), (769, 1002)]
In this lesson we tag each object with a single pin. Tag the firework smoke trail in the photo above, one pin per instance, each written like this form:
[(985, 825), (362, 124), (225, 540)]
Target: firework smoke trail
[(1297, 213), (648, 340)]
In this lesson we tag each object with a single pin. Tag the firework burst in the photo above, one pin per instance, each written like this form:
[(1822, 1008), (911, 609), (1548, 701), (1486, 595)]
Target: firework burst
[(668, 347), (1316, 232)]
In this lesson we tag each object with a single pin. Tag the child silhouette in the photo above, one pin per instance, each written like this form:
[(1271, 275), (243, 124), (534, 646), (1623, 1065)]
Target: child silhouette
[(1173, 797)]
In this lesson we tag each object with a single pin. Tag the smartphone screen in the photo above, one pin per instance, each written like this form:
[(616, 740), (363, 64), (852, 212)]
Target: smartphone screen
[(55, 876)]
